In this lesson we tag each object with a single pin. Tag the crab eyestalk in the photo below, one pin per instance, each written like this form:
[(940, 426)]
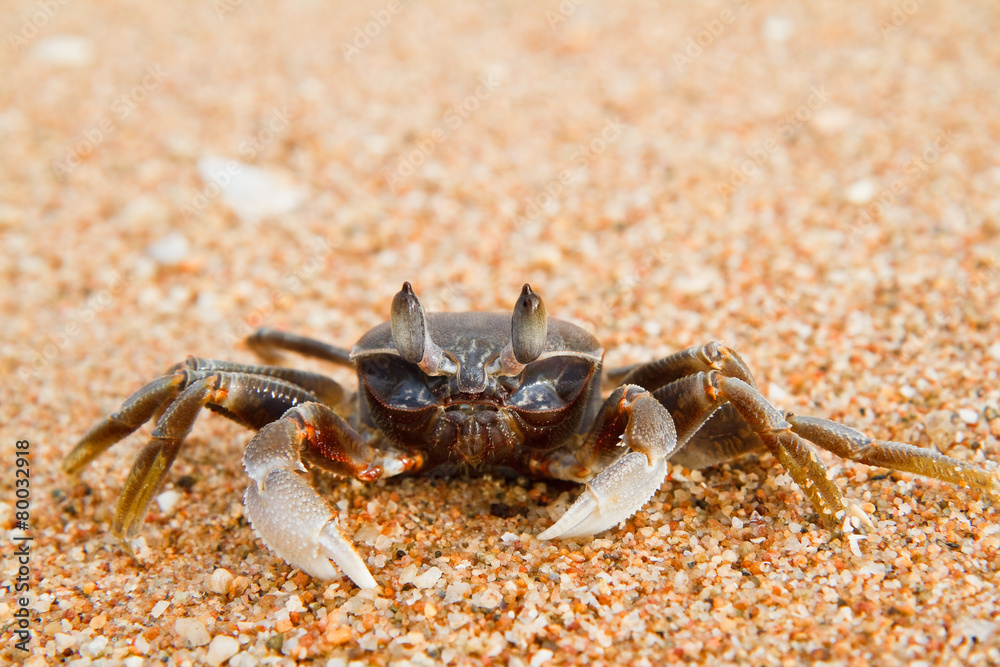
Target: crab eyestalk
[(528, 331), (409, 325), (528, 326), (411, 337)]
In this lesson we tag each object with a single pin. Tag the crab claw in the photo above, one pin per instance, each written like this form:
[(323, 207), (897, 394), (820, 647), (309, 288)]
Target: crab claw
[(611, 497), (622, 488), (295, 523), (289, 516)]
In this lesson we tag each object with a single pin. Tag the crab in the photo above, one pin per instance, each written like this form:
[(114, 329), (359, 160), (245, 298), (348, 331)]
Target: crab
[(478, 392)]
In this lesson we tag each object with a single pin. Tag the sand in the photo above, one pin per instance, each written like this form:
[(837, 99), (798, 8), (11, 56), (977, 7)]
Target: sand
[(814, 184)]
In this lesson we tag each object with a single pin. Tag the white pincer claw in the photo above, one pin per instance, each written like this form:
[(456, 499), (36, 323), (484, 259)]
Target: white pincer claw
[(622, 488), (341, 551), (287, 513), (297, 524), (611, 497)]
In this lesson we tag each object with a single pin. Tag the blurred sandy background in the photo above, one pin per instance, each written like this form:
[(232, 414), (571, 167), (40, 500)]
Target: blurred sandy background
[(816, 184)]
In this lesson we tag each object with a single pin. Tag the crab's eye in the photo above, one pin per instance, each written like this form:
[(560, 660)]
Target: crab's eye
[(409, 328), (528, 326)]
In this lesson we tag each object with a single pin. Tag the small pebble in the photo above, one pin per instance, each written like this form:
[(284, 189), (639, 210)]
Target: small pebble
[(220, 580), (428, 578), (974, 629), (251, 192), (159, 608), (167, 500), (244, 659), (487, 599), (830, 120), (408, 574), (853, 540), (192, 632), (170, 250), (64, 641), (67, 50), (778, 28), (239, 586), (94, 647), (541, 658), (968, 416), (221, 649), (860, 192)]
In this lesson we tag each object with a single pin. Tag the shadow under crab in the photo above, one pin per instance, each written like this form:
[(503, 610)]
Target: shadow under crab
[(472, 392)]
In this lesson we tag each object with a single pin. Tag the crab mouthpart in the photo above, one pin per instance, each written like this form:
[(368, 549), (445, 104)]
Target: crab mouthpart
[(472, 402), (475, 432)]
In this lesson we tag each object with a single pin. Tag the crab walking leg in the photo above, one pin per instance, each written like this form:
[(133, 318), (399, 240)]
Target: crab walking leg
[(694, 399), (265, 343), (326, 389), (134, 412), (713, 355), (633, 419), (856, 446), (286, 512), (247, 399), (793, 451), (789, 438), (152, 400), (748, 421), (691, 401)]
